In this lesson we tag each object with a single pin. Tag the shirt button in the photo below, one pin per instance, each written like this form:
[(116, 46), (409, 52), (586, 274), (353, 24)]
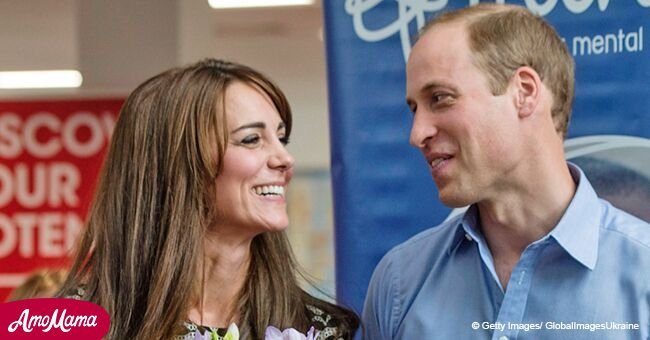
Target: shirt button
[(469, 238), (503, 338)]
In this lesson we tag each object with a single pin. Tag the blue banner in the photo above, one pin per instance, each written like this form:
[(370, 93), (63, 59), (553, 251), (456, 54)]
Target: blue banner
[(383, 192)]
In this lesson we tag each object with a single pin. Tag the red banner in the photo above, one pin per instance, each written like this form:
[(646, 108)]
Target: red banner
[(50, 155)]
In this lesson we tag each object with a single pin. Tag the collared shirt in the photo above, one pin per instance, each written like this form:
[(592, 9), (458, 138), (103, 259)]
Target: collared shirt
[(589, 278)]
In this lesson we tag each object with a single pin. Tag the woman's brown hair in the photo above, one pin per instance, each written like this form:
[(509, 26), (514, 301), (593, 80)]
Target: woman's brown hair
[(140, 255)]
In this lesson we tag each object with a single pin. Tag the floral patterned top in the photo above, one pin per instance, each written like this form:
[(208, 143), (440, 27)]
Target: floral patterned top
[(322, 322)]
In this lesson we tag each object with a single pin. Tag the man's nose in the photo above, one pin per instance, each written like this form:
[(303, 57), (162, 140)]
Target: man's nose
[(422, 130)]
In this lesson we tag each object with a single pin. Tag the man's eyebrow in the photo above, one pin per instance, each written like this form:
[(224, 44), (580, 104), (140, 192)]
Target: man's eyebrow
[(435, 84), (427, 88), (256, 125)]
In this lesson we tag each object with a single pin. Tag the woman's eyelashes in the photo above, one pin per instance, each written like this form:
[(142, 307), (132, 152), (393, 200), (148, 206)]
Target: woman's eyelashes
[(255, 139), (250, 140)]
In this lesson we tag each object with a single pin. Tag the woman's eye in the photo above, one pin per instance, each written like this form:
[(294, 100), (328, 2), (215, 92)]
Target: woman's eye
[(252, 139), (284, 140)]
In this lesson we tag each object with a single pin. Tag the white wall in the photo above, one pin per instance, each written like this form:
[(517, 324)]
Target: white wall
[(40, 34), (119, 43)]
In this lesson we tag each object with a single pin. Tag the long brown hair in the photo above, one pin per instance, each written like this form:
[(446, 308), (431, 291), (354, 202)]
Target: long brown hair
[(140, 253)]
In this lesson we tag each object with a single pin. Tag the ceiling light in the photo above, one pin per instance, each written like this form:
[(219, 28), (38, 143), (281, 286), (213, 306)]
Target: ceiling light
[(40, 79), (257, 3)]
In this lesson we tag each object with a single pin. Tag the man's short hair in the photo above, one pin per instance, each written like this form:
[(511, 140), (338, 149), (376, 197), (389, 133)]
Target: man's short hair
[(503, 38)]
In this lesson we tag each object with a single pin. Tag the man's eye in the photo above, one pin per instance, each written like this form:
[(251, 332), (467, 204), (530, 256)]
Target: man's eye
[(442, 100), (440, 97), (252, 139)]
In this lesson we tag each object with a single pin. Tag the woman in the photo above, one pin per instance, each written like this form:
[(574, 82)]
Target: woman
[(186, 230)]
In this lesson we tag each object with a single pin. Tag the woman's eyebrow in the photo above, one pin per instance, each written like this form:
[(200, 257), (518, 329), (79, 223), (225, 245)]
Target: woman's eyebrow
[(256, 125)]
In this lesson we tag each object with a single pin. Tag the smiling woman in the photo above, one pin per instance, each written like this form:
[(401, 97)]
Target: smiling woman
[(186, 232), (257, 167)]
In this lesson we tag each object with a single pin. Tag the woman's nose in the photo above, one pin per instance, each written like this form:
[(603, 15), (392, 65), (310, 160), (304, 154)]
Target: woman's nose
[(281, 158)]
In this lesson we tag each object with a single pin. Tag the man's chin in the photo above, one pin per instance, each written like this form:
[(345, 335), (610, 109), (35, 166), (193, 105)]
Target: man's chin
[(453, 200)]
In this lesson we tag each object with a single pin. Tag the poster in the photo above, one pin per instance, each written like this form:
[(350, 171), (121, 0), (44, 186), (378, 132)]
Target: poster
[(50, 155), (382, 191)]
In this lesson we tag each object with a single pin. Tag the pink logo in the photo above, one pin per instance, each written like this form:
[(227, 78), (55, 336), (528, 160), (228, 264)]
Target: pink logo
[(52, 318)]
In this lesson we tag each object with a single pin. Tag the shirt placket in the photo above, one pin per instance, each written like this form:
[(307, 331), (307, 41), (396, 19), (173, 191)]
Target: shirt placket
[(514, 302)]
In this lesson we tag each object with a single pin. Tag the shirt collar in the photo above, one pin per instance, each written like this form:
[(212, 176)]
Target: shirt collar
[(466, 228), (576, 232)]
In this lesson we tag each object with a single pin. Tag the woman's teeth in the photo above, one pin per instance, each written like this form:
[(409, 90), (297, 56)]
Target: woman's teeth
[(270, 190)]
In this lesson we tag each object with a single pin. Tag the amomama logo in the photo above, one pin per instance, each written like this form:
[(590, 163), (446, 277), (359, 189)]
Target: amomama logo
[(52, 318)]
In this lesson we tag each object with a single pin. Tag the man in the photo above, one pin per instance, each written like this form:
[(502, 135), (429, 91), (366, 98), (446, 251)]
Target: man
[(537, 255)]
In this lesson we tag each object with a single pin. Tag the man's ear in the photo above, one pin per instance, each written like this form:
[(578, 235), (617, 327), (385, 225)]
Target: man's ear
[(528, 90)]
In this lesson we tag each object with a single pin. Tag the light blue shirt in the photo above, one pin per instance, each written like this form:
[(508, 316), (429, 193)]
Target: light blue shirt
[(589, 278)]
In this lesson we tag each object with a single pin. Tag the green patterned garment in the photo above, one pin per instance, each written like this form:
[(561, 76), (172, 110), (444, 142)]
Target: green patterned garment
[(323, 322)]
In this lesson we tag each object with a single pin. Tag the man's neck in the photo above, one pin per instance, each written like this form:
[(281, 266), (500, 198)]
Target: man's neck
[(515, 219)]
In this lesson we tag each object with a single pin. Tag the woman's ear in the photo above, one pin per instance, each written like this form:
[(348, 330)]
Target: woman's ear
[(528, 90)]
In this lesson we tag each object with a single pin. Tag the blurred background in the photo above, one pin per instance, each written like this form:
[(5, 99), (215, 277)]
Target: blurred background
[(118, 44)]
